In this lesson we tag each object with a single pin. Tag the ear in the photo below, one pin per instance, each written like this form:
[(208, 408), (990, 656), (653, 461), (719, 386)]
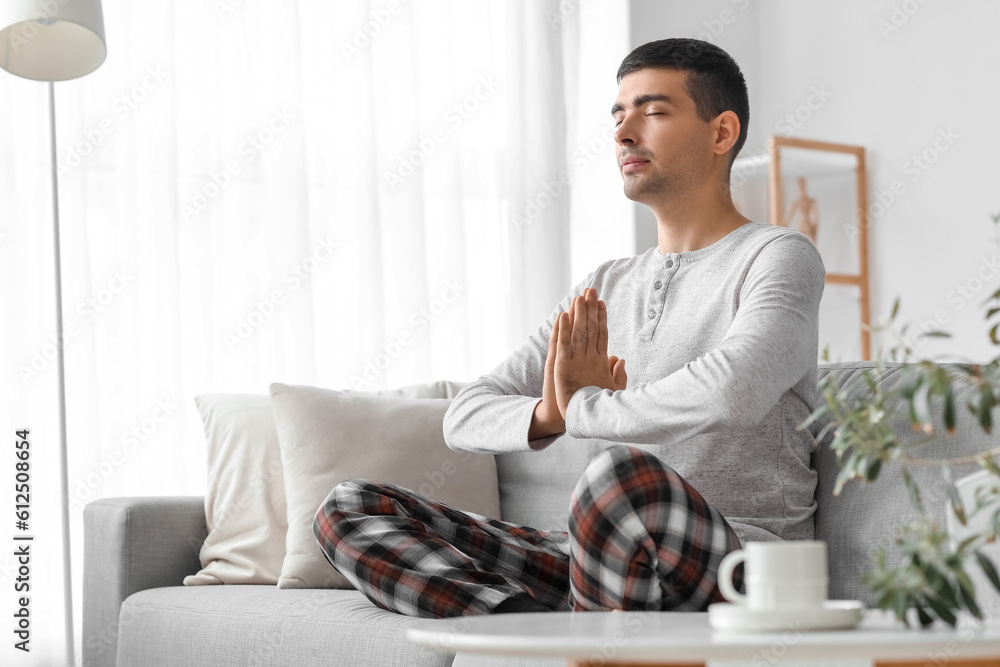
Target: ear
[(726, 128)]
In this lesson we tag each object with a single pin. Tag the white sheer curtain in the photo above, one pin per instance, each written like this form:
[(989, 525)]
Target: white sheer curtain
[(342, 194)]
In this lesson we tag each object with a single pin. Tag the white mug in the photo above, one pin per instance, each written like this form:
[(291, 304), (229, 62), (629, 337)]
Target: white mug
[(777, 575)]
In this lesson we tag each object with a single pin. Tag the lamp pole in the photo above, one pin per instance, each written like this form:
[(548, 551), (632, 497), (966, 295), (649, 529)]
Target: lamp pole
[(61, 373), (48, 41)]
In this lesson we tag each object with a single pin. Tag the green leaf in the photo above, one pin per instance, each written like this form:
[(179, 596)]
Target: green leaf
[(949, 409), (994, 524), (895, 309), (962, 577), (907, 386), (878, 555), (873, 469), (842, 477), (826, 429), (988, 463), (899, 605), (967, 593), (921, 403), (993, 334), (969, 602), (986, 403), (942, 610), (940, 584), (847, 470), (925, 618), (988, 569), (964, 544), (937, 334), (817, 413), (992, 312), (911, 486), (956, 504)]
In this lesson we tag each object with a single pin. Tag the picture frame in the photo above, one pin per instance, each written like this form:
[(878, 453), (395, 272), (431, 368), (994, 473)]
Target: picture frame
[(820, 189)]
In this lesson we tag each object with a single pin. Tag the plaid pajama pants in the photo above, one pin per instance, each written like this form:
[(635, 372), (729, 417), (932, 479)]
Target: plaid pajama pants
[(640, 538)]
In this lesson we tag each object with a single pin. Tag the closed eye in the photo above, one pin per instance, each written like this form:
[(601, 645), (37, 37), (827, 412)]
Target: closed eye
[(652, 113)]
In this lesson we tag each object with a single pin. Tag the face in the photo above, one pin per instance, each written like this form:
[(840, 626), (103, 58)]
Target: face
[(657, 124)]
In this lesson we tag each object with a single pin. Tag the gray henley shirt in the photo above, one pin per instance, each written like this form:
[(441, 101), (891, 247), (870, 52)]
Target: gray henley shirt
[(720, 346)]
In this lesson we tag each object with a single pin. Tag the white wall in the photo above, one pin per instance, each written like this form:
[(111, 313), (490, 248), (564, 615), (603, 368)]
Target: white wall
[(894, 91)]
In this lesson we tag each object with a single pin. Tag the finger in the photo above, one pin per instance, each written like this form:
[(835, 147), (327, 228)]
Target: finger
[(580, 325), (593, 323), (602, 328), (619, 376), (553, 339), (565, 345)]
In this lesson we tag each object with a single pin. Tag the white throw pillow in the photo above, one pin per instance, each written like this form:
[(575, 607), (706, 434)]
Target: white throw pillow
[(245, 507), (245, 499), (329, 436)]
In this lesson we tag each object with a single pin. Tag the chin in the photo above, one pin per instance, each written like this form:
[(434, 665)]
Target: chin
[(636, 194)]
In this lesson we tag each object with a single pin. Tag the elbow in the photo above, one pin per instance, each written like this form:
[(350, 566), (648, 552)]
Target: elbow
[(449, 427), (459, 423)]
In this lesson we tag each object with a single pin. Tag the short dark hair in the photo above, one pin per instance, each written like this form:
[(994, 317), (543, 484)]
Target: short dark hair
[(714, 80)]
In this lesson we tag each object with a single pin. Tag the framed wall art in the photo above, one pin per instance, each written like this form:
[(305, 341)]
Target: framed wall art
[(818, 188)]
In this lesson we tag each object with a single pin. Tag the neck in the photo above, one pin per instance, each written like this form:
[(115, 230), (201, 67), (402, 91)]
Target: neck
[(686, 224)]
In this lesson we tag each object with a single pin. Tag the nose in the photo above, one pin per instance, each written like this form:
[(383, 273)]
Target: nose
[(623, 134)]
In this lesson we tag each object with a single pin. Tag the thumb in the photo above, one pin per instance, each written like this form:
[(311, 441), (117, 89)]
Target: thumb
[(618, 374)]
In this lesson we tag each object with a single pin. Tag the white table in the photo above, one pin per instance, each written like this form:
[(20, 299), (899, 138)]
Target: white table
[(685, 638)]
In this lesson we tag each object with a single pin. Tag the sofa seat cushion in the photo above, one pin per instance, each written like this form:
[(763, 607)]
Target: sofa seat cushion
[(255, 625)]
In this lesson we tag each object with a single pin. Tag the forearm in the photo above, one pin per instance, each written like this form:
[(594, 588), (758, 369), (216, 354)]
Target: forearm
[(542, 429), (661, 413), (484, 419)]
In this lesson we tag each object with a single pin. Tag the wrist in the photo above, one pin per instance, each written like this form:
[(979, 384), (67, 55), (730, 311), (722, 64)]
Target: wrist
[(542, 426)]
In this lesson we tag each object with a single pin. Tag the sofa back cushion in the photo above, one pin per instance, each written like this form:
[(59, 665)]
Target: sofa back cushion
[(535, 487)]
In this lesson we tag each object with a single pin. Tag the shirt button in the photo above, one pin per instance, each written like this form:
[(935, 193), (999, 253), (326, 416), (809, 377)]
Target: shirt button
[(657, 285), (669, 263), (652, 313)]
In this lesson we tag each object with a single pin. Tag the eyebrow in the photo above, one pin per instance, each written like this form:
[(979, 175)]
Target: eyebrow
[(639, 100)]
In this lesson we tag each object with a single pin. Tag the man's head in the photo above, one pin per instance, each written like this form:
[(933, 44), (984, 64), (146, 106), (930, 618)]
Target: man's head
[(683, 107)]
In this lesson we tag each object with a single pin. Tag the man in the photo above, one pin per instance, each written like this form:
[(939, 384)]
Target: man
[(697, 447)]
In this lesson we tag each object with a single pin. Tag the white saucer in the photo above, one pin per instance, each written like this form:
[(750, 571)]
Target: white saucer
[(833, 615)]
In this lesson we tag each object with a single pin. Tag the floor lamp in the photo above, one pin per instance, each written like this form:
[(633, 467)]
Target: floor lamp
[(48, 40)]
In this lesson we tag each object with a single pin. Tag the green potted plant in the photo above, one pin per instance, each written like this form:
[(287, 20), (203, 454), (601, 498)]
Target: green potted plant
[(932, 577)]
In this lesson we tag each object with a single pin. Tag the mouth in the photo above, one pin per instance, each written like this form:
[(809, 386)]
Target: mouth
[(633, 164)]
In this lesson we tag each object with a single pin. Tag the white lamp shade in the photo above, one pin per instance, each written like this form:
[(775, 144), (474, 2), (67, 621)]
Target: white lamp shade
[(51, 40)]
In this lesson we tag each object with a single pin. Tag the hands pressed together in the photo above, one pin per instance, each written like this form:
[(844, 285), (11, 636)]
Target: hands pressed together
[(578, 357)]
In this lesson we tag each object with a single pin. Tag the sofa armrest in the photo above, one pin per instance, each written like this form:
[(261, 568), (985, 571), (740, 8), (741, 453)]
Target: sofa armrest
[(130, 545)]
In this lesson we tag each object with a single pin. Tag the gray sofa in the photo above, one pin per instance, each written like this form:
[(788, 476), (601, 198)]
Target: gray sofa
[(137, 550)]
